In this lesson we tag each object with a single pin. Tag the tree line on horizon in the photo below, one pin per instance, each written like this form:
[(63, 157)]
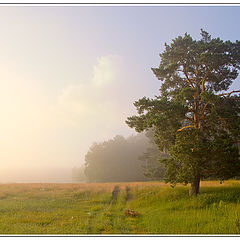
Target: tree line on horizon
[(123, 160), (135, 158)]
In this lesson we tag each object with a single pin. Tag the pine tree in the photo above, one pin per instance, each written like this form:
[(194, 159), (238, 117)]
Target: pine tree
[(194, 117)]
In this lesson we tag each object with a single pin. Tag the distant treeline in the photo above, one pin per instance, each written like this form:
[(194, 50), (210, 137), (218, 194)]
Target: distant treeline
[(121, 159)]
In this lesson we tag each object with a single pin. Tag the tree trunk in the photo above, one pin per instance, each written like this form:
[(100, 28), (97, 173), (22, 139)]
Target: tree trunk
[(194, 188)]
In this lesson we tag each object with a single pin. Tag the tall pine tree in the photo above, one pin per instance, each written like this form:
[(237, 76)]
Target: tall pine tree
[(194, 117)]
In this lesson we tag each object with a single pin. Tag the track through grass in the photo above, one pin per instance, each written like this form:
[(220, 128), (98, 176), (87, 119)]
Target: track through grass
[(90, 209)]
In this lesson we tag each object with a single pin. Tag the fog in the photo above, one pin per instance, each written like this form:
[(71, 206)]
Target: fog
[(36, 175)]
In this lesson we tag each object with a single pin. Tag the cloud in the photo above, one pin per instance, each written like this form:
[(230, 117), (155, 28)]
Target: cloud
[(96, 104), (106, 71)]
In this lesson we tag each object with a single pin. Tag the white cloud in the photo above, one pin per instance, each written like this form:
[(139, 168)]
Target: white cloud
[(96, 104), (106, 70)]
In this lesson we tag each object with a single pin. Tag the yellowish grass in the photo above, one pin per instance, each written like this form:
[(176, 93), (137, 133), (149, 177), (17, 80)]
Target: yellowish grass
[(83, 208), (15, 188), (218, 184)]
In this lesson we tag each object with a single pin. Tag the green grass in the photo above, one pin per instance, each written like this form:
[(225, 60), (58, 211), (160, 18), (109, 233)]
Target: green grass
[(89, 209)]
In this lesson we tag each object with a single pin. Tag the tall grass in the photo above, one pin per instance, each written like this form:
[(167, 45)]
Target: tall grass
[(89, 209)]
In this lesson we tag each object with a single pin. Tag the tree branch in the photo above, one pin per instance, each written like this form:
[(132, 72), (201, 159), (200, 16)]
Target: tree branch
[(188, 118), (190, 82), (223, 94), (203, 80), (189, 126), (204, 108)]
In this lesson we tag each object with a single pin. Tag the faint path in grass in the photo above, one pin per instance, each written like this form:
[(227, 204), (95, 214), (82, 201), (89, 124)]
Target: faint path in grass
[(110, 217), (101, 214), (77, 209)]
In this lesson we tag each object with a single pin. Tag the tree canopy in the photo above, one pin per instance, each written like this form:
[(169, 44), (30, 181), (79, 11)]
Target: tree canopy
[(151, 158), (194, 118), (118, 160)]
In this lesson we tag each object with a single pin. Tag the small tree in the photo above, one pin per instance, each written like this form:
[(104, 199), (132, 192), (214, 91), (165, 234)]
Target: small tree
[(193, 117)]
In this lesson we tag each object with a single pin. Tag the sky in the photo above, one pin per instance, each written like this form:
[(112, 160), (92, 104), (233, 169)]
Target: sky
[(69, 74)]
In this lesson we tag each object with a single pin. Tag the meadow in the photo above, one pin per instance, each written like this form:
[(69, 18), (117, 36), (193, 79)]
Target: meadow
[(146, 208)]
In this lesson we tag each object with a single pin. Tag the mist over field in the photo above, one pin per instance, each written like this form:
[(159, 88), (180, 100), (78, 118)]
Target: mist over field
[(36, 175)]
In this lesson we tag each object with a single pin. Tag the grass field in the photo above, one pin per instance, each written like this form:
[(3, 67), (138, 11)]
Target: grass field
[(89, 209)]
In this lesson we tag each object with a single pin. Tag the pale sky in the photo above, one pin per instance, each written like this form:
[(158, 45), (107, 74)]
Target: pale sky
[(69, 74)]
